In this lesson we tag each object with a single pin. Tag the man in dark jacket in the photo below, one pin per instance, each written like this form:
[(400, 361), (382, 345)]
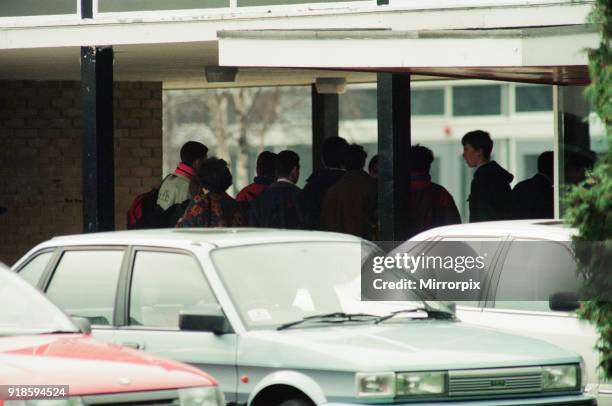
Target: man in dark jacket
[(490, 193), (280, 206), (430, 204), (317, 184), (266, 168), (533, 198), (350, 205)]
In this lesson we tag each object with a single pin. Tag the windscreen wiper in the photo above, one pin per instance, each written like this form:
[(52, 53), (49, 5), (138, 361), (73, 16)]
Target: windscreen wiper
[(431, 314), (336, 317)]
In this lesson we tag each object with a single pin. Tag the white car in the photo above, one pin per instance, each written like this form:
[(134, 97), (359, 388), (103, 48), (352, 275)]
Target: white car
[(544, 269)]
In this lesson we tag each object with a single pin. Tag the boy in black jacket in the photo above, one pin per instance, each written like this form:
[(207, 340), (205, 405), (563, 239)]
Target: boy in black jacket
[(490, 193)]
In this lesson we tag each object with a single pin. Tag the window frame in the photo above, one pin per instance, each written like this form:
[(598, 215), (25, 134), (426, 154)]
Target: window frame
[(123, 304), (50, 272)]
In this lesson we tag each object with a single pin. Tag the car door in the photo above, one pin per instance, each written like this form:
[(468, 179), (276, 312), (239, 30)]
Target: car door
[(159, 285), (532, 270), (83, 282)]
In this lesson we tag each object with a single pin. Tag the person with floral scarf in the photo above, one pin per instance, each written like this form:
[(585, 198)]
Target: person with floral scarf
[(212, 206)]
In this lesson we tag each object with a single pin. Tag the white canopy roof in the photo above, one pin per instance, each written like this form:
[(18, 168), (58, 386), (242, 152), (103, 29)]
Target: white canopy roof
[(543, 54)]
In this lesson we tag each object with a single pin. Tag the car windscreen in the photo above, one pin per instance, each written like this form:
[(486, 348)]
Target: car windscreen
[(24, 310), (277, 283)]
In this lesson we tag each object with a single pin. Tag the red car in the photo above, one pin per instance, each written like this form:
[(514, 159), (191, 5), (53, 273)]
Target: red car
[(44, 355)]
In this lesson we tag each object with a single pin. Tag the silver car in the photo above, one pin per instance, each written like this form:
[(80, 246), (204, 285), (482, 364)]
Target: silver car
[(276, 316)]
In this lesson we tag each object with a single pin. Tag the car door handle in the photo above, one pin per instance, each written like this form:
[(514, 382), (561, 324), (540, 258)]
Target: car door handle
[(134, 345)]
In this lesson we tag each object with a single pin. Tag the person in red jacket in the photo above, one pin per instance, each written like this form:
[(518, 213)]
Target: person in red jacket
[(430, 204), (266, 164)]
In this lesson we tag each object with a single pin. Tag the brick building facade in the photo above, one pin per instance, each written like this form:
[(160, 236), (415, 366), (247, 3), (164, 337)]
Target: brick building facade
[(40, 157)]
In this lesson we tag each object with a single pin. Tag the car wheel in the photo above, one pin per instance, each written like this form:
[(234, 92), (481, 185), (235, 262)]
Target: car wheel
[(297, 402)]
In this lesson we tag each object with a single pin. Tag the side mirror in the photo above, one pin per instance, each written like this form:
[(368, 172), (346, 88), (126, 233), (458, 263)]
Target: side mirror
[(213, 322), (82, 323), (564, 301)]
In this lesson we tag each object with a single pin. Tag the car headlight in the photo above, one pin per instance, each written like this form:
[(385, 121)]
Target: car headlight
[(420, 383), (73, 401), (201, 396), (557, 377), (375, 385)]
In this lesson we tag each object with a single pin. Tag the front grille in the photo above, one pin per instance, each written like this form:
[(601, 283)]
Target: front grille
[(147, 398), (499, 381)]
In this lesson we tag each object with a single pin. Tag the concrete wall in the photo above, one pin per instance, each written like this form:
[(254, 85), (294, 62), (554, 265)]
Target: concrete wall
[(40, 157)]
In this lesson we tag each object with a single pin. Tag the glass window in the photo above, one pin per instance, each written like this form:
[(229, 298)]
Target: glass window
[(530, 162), (17, 8), (146, 5), (163, 285), (34, 269), (534, 270), (247, 3), (476, 100), (85, 284), (434, 170), (426, 102), (358, 104), (533, 98)]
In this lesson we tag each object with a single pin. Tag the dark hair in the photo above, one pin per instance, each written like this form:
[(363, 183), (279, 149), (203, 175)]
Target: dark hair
[(333, 151), (479, 140), (214, 175), (580, 159), (266, 164), (420, 158), (373, 163), (192, 150), (546, 163), (355, 157), (285, 162)]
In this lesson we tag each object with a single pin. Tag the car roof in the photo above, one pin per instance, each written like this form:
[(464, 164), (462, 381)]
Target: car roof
[(220, 237), (555, 230)]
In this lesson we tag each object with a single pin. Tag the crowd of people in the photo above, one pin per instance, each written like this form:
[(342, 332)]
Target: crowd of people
[(342, 196)]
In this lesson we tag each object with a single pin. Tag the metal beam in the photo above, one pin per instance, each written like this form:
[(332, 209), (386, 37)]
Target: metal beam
[(324, 123), (98, 146), (393, 144)]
